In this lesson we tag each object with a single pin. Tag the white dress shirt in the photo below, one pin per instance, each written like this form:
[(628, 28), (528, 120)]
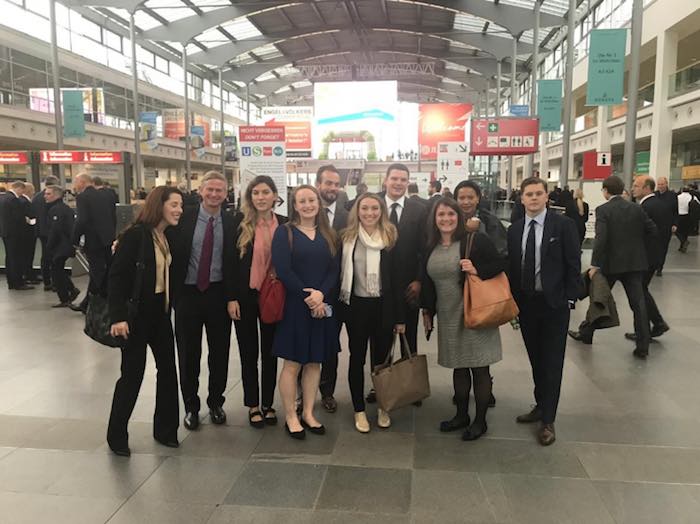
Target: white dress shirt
[(330, 211), (399, 209)]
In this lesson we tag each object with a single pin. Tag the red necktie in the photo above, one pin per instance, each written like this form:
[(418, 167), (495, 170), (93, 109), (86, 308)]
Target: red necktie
[(205, 257)]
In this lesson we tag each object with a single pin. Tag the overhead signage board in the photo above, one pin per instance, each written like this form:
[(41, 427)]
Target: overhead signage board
[(606, 67), (519, 110), (641, 164), (14, 157), (296, 121), (597, 165), (263, 153), (81, 157), (440, 123), (549, 104), (452, 163), (504, 136), (73, 119)]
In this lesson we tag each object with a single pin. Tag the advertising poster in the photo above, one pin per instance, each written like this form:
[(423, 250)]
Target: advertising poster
[(549, 104), (296, 121), (148, 130), (440, 123), (606, 67), (263, 153), (93, 102), (73, 118), (174, 125)]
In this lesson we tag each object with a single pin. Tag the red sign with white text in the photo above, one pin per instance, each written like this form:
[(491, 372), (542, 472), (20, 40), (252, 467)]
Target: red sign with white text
[(14, 157), (261, 134), (440, 123), (504, 136), (81, 157)]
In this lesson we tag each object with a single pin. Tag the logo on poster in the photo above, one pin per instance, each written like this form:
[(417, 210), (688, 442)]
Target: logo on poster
[(278, 151), (257, 151)]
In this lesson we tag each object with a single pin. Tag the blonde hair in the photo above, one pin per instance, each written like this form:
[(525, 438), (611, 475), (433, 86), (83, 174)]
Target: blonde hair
[(213, 175), (324, 226), (250, 214), (579, 201), (386, 229)]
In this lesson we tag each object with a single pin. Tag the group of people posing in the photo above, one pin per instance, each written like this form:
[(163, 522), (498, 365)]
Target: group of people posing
[(372, 267)]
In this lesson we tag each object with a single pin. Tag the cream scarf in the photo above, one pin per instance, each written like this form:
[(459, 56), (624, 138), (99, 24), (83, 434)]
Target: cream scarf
[(374, 245)]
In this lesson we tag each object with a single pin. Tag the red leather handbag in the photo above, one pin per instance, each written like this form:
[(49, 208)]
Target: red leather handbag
[(271, 299)]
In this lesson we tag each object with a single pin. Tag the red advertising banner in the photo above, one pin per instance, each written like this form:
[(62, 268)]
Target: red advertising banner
[(440, 123), (261, 134), (298, 134), (174, 125), (14, 157), (81, 157), (597, 165), (504, 136)]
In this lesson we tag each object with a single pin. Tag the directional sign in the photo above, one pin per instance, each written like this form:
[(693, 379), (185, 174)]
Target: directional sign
[(80, 157), (452, 162), (504, 136), (597, 165), (519, 110)]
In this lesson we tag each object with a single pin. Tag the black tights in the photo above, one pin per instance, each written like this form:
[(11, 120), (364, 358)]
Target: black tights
[(462, 381)]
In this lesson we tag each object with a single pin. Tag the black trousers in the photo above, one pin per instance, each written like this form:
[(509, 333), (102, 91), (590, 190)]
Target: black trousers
[(653, 312), (45, 262), (329, 371), (98, 260), (664, 241), (544, 332), (365, 325), (28, 250), (61, 279), (685, 225), (13, 261), (412, 328), (195, 310), (254, 345), (152, 328)]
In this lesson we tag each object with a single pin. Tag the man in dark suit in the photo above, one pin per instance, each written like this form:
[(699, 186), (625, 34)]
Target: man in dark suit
[(328, 185), (14, 222), (97, 222), (545, 266), (661, 215), (59, 244), (434, 191), (202, 278), (619, 252), (670, 199), (28, 236), (39, 207), (413, 195)]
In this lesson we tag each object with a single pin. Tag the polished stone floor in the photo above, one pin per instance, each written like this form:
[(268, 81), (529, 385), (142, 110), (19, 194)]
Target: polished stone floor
[(628, 448)]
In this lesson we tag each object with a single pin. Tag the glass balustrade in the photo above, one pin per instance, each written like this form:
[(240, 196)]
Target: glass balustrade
[(685, 80)]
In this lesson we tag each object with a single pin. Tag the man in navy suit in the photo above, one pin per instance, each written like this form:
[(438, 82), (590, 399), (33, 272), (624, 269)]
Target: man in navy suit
[(545, 266)]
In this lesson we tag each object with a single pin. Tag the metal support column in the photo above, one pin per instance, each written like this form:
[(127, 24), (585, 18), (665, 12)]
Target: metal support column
[(568, 98), (497, 113), (138, 175), (223, 116), (55, 71), (629, 160), (533, 80), (487, 114), (247, 103), (513, 95), (188, 140)]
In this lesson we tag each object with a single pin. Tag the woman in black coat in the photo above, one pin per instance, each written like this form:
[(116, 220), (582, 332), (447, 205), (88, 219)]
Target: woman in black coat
[(255, 227), (140, 269)]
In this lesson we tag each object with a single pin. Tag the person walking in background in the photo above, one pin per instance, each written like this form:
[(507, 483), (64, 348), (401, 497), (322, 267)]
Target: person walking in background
[(14, 221), (305, 257), (29, 234), (468, 352), (144, 245), (434, 191), (255, 226), (372, 295), (545, 267), (39, 208), (670, 200), (59, 244), (685, 217), (581, 213)]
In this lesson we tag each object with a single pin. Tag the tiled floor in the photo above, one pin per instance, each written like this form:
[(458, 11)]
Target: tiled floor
[(628, 448)]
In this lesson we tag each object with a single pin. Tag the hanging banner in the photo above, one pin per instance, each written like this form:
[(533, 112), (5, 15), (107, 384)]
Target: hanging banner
[(606, 67), (73, 119), (504, 136), (296, 121), (263, 153), (641, 164), (440, 123), (174, 125), (148, 130), (549, 104)]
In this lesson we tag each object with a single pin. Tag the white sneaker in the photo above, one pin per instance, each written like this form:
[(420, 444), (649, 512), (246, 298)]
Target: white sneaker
[(383, 419), (361, 422)]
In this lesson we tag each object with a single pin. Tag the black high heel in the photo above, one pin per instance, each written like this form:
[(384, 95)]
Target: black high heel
[(318, 430), (298, 435)]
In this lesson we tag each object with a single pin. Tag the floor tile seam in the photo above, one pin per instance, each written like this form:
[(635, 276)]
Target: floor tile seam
[(328, 465), (640, 446), (645, 482), (491, 506), (507, 473), (314, 506)]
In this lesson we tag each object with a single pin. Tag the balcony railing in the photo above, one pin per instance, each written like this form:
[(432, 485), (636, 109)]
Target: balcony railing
[(685, 80), (645, 98)]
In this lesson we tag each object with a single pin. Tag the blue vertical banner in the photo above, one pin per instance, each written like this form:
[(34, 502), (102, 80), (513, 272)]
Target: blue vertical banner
[(606, 67), (148, 130), (73, 113), (549, 104)]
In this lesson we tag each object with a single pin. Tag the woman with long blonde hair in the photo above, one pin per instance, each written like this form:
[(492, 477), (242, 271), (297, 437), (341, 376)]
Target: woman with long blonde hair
[(370, 294), (582, 210), (306, 259), (255, 227)]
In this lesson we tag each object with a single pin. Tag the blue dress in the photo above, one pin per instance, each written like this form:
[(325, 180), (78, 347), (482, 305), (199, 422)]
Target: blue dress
[(308, 264)]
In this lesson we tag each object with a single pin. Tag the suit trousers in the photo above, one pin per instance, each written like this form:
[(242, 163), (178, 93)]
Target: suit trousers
[(634, 289), (684, 228), (61, 279), (98, 260), (195, 310), (45, 262), (28, 250), (543, 330), (329, 371), (13, 261), (653, 312), (412, 328), (664, 241), (152, 328), (365, 325), (253, 346)]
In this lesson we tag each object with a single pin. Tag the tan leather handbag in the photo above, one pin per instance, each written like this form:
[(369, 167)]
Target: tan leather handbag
[(487, 303)]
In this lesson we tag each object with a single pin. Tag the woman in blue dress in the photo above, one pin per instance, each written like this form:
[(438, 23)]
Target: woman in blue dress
[(306, 259)]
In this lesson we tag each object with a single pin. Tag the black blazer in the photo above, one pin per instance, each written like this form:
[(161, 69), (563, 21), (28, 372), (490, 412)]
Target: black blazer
[(487, 261), (123, 270), (410, 245), (621, 231), (60, 233), (670, 198), (97, 218), (13, 214), (340, 218), (560, 260), (40, 210), (241, 266), (662, 216), (180, 239)]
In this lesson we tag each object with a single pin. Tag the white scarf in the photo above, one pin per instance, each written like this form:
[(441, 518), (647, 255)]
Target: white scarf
[(374, 245)]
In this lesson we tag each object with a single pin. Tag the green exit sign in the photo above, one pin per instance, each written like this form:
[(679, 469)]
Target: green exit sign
[(493, 127)]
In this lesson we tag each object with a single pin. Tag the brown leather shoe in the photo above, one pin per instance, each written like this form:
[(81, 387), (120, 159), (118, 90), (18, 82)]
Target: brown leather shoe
[(535, 415), (546, 435)]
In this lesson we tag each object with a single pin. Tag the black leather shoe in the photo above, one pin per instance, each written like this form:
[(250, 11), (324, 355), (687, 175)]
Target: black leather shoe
[(317, 430), (170, 443), (49, 288), (577, 335), (120, 451), (546, 435), (371, 397), (73, 295), (418, 403), (78, 308), (535, 415), (454, 424), (62, 304), (475, 431), (217, 415), (631, 336), (298, 435), (329, 404), (192, 420), (23, 287), (642, 355), (659, 330), (659, 272)]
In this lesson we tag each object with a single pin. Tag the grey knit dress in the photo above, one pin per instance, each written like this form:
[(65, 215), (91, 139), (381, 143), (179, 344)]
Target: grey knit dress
[(458, 346)]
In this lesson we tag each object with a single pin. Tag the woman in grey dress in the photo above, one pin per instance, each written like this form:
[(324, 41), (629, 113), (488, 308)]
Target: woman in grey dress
[(469, 352)]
